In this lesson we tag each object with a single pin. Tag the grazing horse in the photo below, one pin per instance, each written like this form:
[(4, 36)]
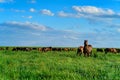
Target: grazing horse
[(87, 48), (1, 48), (112, 50), (45, 49), (65, 49), (80, 50), (21, 49), (100, 50), (39, 49)]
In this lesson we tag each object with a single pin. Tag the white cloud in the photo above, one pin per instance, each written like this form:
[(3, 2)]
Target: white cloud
[(37, 34), (47, 12), (5, 1), (27, 25), (70, 37), (29, 17), (32, 10), (93, 10), (17, 10), (63, 14)]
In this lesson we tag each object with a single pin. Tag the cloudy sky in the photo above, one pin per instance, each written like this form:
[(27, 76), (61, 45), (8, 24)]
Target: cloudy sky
[(60, 23)]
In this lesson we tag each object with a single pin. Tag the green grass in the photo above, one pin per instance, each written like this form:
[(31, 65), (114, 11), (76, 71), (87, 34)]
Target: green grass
[(36, 65)]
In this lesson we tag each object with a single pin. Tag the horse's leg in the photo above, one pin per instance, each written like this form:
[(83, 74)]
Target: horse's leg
[(91, 53), (85, 54), (88, 54), (80, 53)]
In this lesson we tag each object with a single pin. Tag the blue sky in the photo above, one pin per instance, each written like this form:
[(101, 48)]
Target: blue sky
[(59, 22)]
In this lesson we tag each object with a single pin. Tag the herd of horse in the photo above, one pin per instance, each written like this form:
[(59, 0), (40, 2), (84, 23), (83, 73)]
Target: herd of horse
[(80, 50), (41, 49), (86, 50)]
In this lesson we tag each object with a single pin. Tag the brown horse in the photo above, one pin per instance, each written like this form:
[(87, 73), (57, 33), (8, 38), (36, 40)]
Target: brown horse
[(112, 50), (45, 49), (87, 49), (39, 49), (80, 50)]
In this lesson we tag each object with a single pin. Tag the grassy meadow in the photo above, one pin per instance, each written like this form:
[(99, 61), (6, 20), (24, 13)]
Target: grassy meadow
[(54, 65)]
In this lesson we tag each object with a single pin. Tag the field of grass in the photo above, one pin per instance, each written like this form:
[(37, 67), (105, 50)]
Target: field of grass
[(36, 65)]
